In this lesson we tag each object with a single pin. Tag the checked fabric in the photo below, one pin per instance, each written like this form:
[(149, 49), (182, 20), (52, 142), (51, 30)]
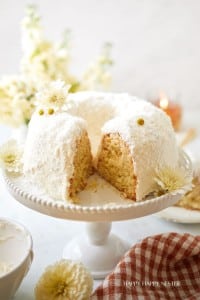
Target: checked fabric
[(160, 267)]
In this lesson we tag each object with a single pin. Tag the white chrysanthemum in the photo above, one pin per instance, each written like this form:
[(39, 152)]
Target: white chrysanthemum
[(65, 280), (170, 179), (10, 156), (53, 94)]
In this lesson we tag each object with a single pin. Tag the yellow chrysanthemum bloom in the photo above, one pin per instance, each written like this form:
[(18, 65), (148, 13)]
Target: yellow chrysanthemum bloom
[(170, 179), (65, 280), (10, 157)]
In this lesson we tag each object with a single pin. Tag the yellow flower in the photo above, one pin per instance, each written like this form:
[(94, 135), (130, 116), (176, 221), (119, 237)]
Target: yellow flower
[(65, 280), (53, 94), (10, 157), (170, 179)]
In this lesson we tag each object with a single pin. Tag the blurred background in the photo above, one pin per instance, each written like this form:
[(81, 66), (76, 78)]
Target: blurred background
[(156, 44)]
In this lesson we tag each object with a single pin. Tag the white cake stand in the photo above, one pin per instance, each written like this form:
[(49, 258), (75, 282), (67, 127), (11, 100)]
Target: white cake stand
[(101, 204)]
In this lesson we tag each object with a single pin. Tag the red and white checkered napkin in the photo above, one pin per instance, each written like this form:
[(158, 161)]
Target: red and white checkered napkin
[(165, 266)]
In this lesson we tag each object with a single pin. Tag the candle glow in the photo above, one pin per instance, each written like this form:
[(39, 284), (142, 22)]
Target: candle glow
[(172, 109), (164, 103)]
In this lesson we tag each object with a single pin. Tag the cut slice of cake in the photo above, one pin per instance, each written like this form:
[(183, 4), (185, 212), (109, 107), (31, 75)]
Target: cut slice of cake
[(57, 155), (82, 164)]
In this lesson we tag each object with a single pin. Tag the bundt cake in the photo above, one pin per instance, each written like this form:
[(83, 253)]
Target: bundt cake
[(130, 139)]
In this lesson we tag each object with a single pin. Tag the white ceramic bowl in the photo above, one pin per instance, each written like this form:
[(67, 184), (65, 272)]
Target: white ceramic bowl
[(16, 256)]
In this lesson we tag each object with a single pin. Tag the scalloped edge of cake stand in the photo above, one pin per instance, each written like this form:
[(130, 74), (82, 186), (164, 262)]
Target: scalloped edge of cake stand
[(104, 213), (97, 249), (104, 249)]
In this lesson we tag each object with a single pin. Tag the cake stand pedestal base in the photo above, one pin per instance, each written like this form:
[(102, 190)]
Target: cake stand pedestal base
[(97, 249)]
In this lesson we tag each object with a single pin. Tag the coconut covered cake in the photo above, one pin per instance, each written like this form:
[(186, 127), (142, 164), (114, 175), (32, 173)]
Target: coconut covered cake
[(125, 139)]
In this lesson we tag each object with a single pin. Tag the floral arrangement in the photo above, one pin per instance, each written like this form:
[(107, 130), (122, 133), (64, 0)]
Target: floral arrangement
[(17, 97), (64, 280), (44, 61), (49, 99)]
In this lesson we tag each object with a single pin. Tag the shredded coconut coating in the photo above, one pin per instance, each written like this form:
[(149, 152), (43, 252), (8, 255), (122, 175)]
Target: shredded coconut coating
[(151, 140), (152, 145), (49, 151), (146, 129)]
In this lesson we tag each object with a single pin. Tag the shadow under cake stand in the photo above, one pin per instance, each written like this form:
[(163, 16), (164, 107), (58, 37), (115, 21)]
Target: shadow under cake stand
[(101, 204)]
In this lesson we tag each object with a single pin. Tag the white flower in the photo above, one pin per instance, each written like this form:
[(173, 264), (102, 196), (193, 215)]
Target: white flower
[(170, 179), (44, 61), (97, 75), (32, 31), (17, 97), (10, 157), (65, 280), (53, 94)]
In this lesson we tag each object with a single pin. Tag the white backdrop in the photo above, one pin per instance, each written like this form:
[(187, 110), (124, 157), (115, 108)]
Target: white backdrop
[(156, 43)]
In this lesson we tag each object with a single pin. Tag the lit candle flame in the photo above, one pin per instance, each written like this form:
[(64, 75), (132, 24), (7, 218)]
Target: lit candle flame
[(164, 102)]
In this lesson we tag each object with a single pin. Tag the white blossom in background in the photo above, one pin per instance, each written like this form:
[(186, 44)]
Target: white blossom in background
[(97, 75), (17, 100), (44, 61), (32, 31)]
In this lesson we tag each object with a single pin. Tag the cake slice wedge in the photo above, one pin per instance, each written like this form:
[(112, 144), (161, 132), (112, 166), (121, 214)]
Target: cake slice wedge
[(57, 154)]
